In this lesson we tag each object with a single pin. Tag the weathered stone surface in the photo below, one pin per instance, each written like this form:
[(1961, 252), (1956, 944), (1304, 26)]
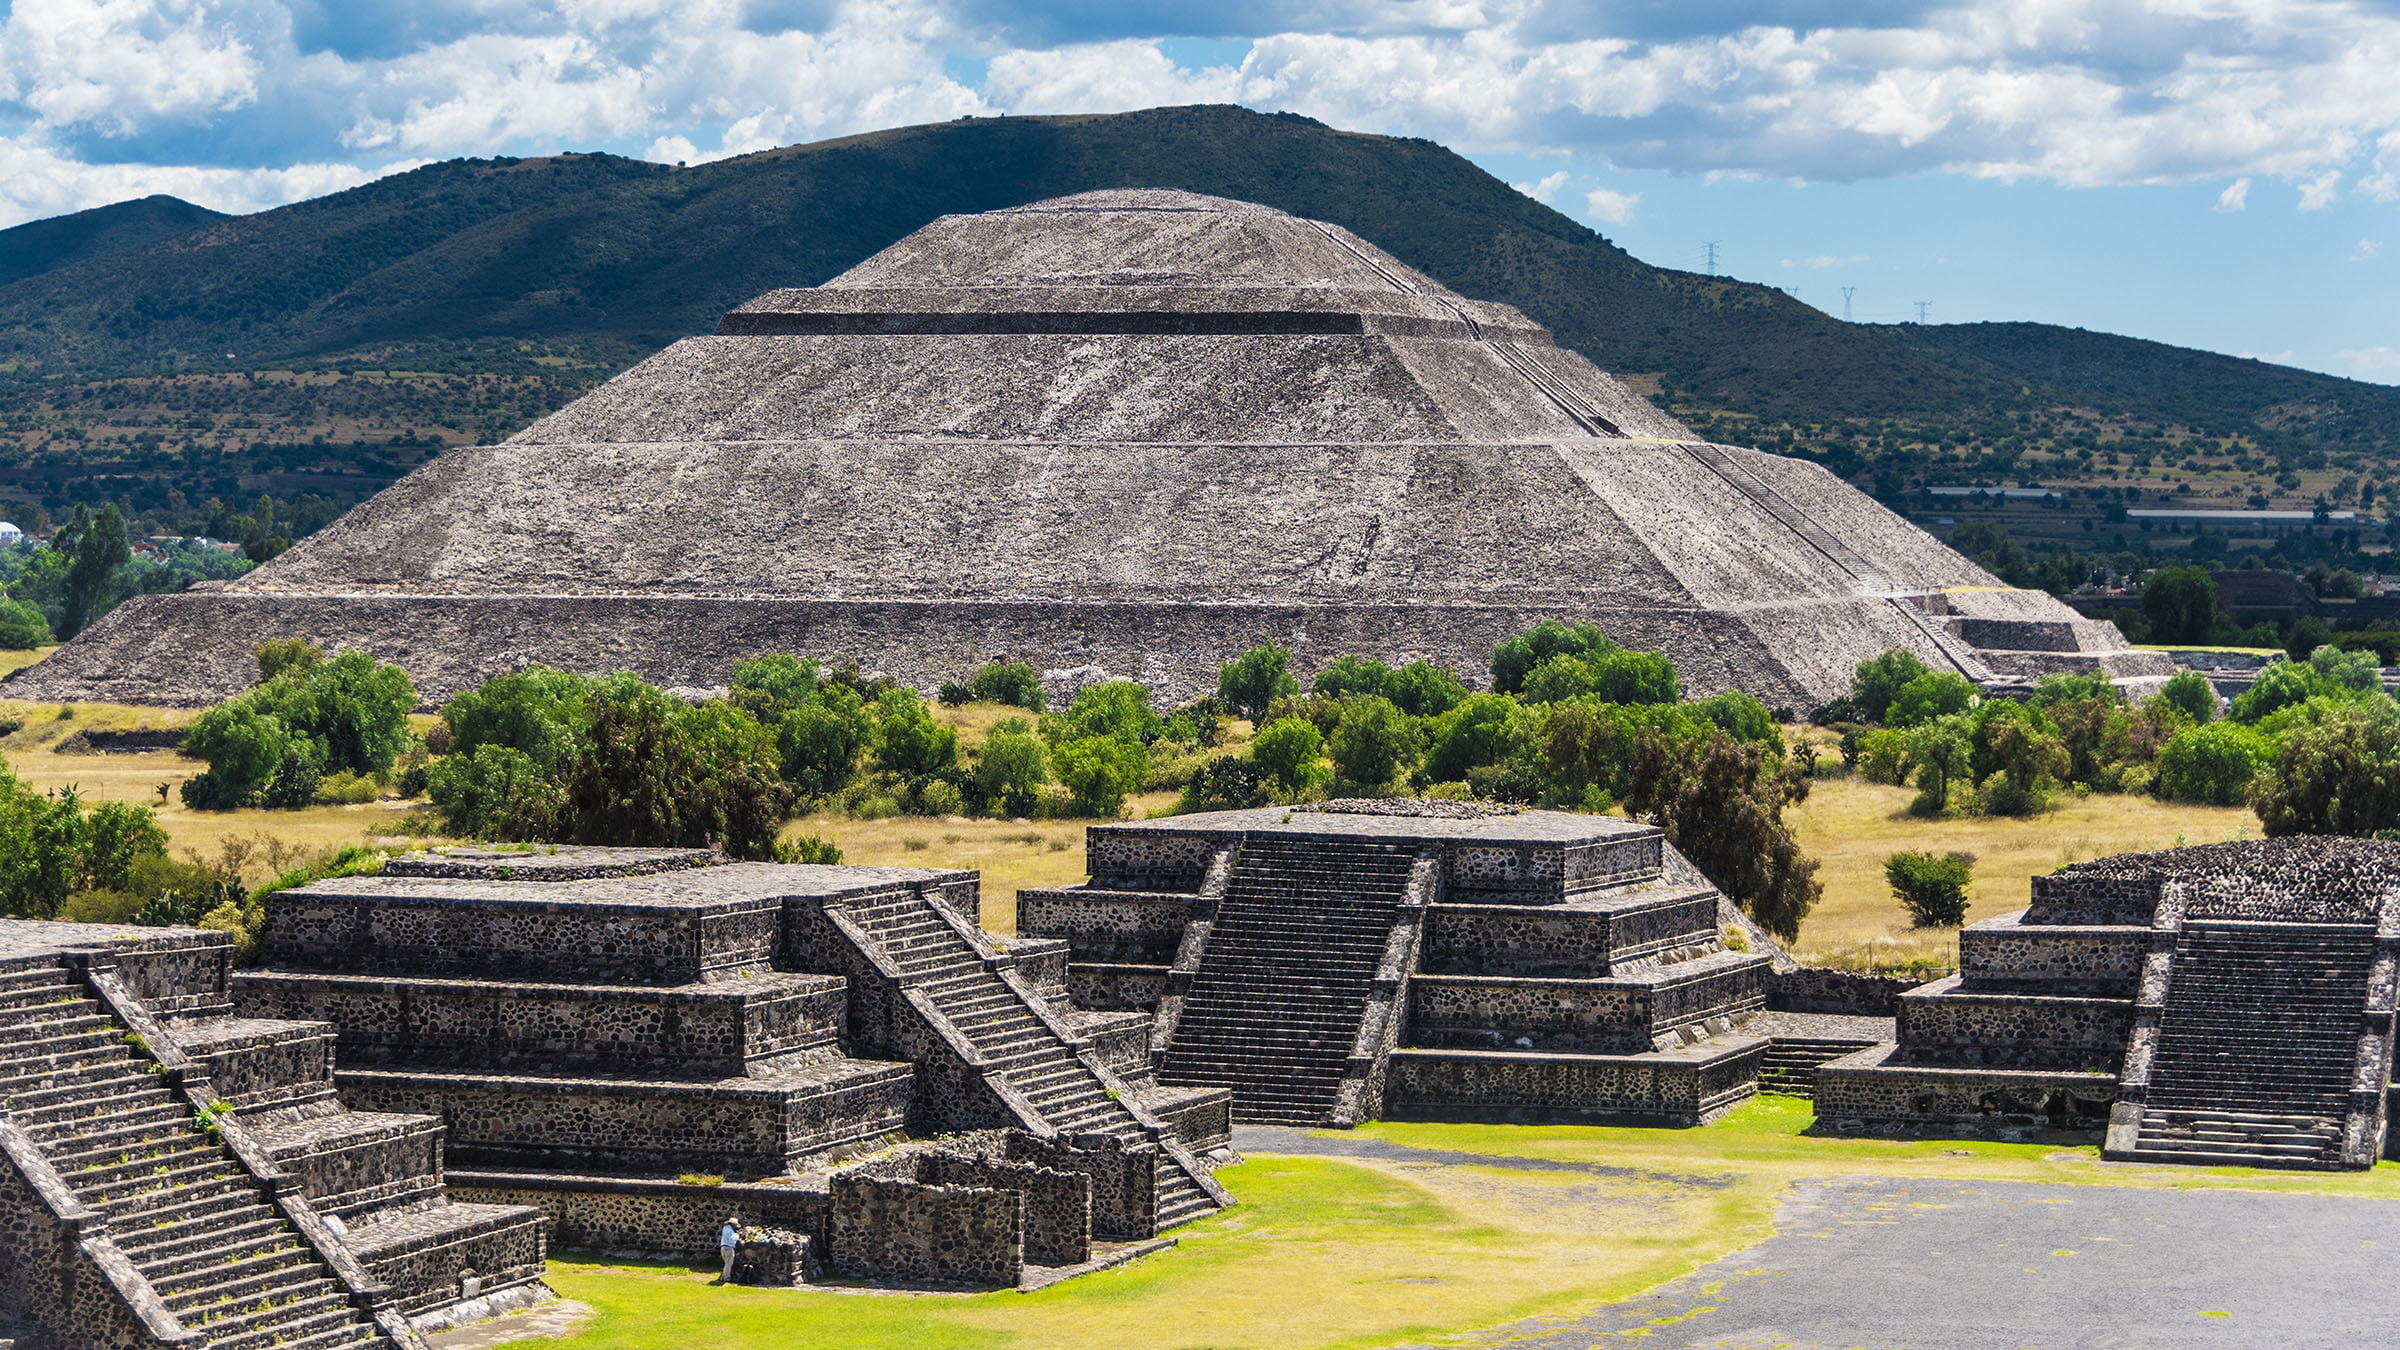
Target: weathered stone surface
[(1126, 432)]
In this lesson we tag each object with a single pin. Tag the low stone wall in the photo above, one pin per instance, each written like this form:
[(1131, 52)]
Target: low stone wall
[(178, 973), (905, 1232), (645, 1217), (1951, 1025), (1124, 1181), (718, 1028), (393, 1161), (1040, 963), (1201, 1117), (262, 1065), (430, 1261), (2092, 959), (1116, 988), (1489, 1012), (1531, 1086), (1522, 940), (1108, 926), (734, 1126), (1813, 989), (583, 940), (1057, 1205), (1875, 1091)]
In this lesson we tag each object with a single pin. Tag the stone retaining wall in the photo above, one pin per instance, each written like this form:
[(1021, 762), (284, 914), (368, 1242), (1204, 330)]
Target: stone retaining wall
[(644, 1217), (2094, 959), (905, 1232), (1872, 1092), (1813, 989), (1634, 1089), (581, 940), (1108, 926), (1942, 1021)]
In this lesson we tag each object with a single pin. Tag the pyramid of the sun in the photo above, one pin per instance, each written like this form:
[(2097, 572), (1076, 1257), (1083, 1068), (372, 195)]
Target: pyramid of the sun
[(1122, 432)]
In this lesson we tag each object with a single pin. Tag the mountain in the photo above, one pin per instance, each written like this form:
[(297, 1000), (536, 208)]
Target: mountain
[(460, 300)]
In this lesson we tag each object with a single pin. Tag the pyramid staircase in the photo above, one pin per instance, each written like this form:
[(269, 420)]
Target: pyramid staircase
[(1791, 1062), (2260, 1044), (1276, 1010), (198, 1227), (1049, 1078)]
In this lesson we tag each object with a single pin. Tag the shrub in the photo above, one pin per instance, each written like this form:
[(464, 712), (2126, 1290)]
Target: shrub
[(315, 716), (809, 848), (817, 745), (907, 741), (664, 773), (2181, 604), (1352, 676), (22, 627), (1721, 803), (2280, 685), (1939, 754), (2341, 776), (1374, 741), (1286, 752), (1588, 746), (940, 797), (1100, 772), (243, 748), (52, 846), (1422, 689), (1515, 658), (1742, 717), (1013, 683), (2211, 765), (1118, 708), (347, 789), (1931, 695), (2031, 761), (1932, 887), (1226, 783), (1485, 729), (1256, 678), (496, 792), (277, 656), (1878, 680), (1012, 769), (1882, 756)]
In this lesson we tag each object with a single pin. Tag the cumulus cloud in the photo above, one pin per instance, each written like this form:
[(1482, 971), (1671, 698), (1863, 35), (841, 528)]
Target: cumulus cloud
[(2066, 91), (2366, 251), (1610, 205), (2234, 199), (1546, 190), (2381, 364)]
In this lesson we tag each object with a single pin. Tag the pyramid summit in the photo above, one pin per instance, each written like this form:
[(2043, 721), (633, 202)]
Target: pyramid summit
[(1129, 433)]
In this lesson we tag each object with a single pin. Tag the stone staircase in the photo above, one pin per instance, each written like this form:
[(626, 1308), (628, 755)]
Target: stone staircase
[(193, 1221), (2259, 1044), (1023, 1048), (1275, 1010), (1791, 1063)]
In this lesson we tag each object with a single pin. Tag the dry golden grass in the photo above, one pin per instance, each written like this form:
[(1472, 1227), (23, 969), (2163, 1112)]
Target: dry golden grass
[(1850, 826)]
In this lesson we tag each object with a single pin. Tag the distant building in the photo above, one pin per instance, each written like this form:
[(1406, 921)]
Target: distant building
[(10, 535)]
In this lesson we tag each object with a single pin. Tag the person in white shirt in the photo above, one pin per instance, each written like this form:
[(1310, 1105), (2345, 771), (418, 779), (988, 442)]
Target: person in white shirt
[(729, 1237)]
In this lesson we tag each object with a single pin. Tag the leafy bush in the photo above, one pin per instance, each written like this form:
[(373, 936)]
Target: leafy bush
[(1374, 741), (52, 846), (1940, 755), (1932, 887), (347, 789), (1256, 678), (22, 627), (1012, 769), (2341, 776), (1100, 772), (2181, 604), (1352, 676), (1515, 658), (809, 848), (1118, 708), (1878, 680), (1742, 717), (1422, 689), (940, 797), (273, 745), (1485, 729), (2210, 765), (1226, 783), (907, 741), (1013, 683), (1933, 694), (1286, 752)]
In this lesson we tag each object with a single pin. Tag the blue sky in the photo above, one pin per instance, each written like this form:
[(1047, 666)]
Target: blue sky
[(2214, 173)]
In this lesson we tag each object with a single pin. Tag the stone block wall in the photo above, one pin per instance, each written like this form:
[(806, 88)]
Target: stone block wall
[(720, 1028), (1873, 1092), (1666, 1090), (1851, 993), (647, 1216), (54, 1274), (1107, 926), (266, 1065), (1488, 1012), (396, 1165), (1057, 1205), (1116, 988), (450, 1263), (1124, 1181), (907, 1232), (1946, 1024), (518, 939), (2003, 952)]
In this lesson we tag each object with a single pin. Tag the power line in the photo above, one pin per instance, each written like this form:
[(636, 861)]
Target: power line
[(1709, 246), (1924, 307), (1847, 292)]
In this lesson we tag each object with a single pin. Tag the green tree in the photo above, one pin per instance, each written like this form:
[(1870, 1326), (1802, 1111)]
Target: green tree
[(1118, 708), (1515, 658), (2031, 760), (1422, 689), (767, 687), (661, 772), (1012, 683), (543, 713), (1721, 804), (1374, 741), (819, 742), (244, 750), (1286, 751), (2341, 776), (907, 740), (22, 627), (1940, 753), (1485, 729), (1250, 682), (1011, 768), (1100, 772), (1878, 680), (1931, 695), (96, 549), (2190, 693), (1932, 887), (2181, 604), (1351, 677), (2210, 765)]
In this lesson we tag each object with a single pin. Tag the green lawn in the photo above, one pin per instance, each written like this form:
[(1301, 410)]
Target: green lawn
[(1324, 1253)]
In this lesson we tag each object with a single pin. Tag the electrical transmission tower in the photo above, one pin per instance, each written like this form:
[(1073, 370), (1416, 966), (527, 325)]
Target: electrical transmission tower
[(1847, 292), (1709, 247), (1924, 307)]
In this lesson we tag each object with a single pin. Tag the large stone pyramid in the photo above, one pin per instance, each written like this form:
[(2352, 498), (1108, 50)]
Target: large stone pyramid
[(1127, 432)]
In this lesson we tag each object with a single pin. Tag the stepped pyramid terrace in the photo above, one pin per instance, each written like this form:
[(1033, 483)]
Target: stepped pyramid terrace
[(1126, 433), (2226, 1003)]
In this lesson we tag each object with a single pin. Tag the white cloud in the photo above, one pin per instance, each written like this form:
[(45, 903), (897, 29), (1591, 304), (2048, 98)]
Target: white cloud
[(1824, 260), (2381, 364), (1545, 191), (1610, 205), (37, 181), (2317, 193), (2234, 199), (2366, 251), (1102, 77)]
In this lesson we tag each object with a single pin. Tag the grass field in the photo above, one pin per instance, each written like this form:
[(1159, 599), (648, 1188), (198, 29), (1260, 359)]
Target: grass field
[(1384, 1250)]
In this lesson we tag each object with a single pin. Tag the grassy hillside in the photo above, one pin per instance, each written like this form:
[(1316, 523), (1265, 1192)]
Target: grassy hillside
[(458, 301)]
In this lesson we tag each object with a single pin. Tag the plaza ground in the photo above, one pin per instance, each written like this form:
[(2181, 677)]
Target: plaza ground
[(1406, 1234)]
